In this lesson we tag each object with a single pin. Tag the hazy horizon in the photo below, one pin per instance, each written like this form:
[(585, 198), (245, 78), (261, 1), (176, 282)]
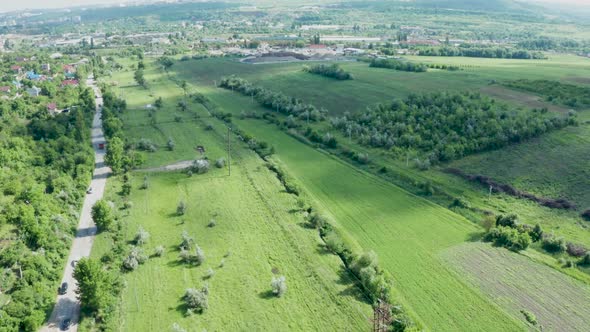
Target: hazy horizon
[(37, 4)]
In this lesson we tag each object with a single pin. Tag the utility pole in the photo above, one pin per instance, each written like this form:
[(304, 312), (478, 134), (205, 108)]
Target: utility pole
[(228, 153)]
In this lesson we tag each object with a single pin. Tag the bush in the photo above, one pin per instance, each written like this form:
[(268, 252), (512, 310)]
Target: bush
[(507, 221), (134, 259), (141, 236), (334, 243), (127, 205), (553, 244), (585, 260), (576, 250), (187, 241), (279, 285), (509, 238), (181, 208), (196, 300), (212, 223), (194, 256), (145, 144), (159, 251), (177, 328), (220, 163), (201, 166), (530, 317), (170, 144), (586, 215)]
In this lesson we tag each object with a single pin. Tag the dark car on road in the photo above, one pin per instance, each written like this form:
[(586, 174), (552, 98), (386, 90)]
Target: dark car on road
[(63, 288), (65, 324)]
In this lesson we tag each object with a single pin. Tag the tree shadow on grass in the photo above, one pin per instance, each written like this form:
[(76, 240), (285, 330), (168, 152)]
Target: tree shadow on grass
[(353, 289), (322, 250), (267, 295)]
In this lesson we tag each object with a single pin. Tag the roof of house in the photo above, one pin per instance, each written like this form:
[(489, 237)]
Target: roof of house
[(317, 46), (16, 67), (52, 106), (69, 82), (4, 88), (68, 67)]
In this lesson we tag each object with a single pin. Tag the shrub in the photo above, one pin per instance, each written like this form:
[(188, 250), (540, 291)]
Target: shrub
[(194, 256), (586, 215), (145, 183), (187, 241), (170, 144), (553, 244), (530, 317), (126, 189), (576, 250), (279, 285), (507, 221), (134, 259), (141, 236), (145, 144), (220, 163), (212, 223), (127, 205), (509, 238), (488, 222), (159, 251), (201, 166), (334, 243), (196, 300), (585, 260), (181, 208), (210, 273)]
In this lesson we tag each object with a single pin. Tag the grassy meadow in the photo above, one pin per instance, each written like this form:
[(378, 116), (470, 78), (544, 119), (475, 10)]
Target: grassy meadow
[(428, 249), (259, 233)]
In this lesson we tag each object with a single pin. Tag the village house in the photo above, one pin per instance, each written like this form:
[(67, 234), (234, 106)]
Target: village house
[(69, 83), (5, 89), (34, 91), (52, 108), (69, 69), (16, 69), (46, 67), (33, 76)]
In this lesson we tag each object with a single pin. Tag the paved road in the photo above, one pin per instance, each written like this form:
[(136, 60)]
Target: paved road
[(67, 305)]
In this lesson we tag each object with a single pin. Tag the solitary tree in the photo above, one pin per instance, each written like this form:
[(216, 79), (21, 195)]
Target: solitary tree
[(279, 285), (139, 78), (95, 285), (102, 215)]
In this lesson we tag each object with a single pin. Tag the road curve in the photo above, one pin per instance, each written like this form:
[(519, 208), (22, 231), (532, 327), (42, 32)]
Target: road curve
[(67, 305)]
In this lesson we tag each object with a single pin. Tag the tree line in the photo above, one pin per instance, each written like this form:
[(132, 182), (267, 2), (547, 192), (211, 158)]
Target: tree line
[(333, 71), (445, 126), (399, 65), (275, 101), (481, 52), (562, 93)]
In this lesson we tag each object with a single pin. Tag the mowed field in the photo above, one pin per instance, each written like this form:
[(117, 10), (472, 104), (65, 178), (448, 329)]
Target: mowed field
[(259, 233)]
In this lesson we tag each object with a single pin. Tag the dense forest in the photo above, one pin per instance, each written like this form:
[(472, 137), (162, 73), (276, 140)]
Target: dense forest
[(553, 91), (46, 164), (399, 65), (333, 71), (445, 126), (481, 52)]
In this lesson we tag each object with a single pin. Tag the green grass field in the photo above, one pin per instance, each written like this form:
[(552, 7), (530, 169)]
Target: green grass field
[(411, 235), (259, 232)]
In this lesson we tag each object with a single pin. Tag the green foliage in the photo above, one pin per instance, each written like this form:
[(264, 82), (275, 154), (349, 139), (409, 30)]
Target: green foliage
[(554, 244), (445, 126), (115, 155), (279, 285), (508, 237), (333, 71), (482, 52), (196, 300), (274, 100), (530, 317), (399, 65), (181, 208), (554, 91), (96, 287), (102, 215)]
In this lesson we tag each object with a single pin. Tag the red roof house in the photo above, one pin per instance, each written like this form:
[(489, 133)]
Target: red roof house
[(317, 46), (52, 107), (69, 69), (5, 89), (69, 82), (16, 68)]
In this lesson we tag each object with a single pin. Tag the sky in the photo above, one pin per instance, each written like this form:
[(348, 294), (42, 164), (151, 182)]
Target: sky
[(7, 5)]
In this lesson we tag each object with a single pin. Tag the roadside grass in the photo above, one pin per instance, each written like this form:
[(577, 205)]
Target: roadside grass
[(258, 229)]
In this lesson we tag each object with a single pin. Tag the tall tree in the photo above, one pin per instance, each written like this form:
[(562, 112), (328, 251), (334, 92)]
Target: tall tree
[(115, 154)]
